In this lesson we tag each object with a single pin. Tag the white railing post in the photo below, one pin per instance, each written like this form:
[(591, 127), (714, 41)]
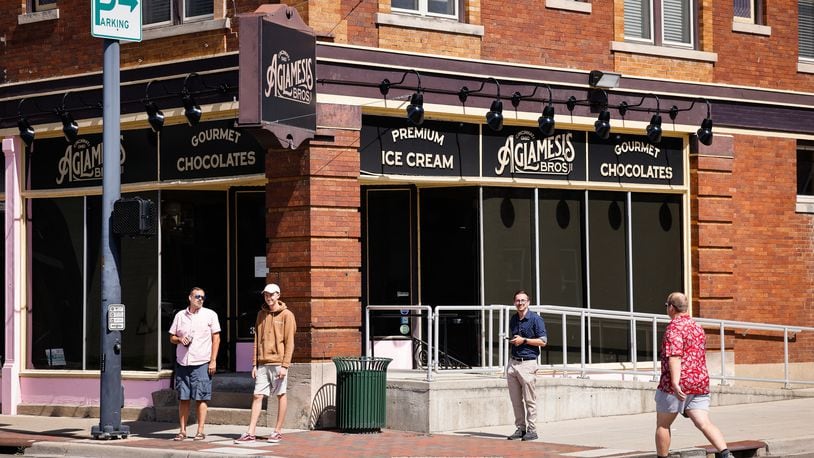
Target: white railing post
[(786, 383), (655, 342), (723, 357), (582, 343)]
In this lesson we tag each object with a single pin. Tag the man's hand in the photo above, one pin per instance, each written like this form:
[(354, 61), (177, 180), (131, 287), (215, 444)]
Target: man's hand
[(678, 393), (212, 367), (282, 372), (254, 372)]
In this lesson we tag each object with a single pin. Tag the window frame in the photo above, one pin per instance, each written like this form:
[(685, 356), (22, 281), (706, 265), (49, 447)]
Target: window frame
[(178, 15), (655, 22), (800, 57), (423, 10)]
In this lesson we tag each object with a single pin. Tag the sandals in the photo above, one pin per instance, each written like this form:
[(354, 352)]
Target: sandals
[(180, 437), (199, 437)]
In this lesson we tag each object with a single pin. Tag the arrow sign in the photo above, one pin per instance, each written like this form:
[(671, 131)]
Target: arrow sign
[(116, 19)]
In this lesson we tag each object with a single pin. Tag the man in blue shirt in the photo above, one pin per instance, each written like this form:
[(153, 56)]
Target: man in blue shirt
[(528, 335)]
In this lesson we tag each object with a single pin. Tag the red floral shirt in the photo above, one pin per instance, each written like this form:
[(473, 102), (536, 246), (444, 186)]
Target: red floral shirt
[(686, 339)]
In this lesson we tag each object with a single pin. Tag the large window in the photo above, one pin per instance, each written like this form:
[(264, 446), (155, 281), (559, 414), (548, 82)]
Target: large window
[(443, 8), (169, 12), (749, 11), (661, 22), (805, 28), (805, 170)]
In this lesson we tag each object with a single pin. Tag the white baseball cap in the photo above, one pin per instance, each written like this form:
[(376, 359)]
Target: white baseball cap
[(271, 288)]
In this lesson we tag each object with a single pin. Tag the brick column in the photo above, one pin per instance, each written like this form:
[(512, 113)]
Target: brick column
[(712, 191), (314, 253)]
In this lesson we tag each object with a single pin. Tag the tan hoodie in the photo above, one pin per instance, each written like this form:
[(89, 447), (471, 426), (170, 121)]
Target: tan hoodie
[(274, 337)]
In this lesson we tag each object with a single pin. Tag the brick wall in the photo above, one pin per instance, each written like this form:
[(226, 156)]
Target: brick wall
[(313, 230), (751, 250)]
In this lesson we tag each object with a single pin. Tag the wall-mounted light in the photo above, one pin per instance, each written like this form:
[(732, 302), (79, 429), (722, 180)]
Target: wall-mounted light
[(26, 130), (603, 80), (602, 125), (494, 117), (192, 111), (415, 110), (69, 127), (546, 121), (653, 130), (704, 132), (154, 115)]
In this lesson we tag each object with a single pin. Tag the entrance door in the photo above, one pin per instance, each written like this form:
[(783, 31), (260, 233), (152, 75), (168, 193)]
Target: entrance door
[(248, 271)]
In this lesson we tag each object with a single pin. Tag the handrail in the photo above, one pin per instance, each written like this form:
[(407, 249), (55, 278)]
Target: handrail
[(426, 308), (492, 339)]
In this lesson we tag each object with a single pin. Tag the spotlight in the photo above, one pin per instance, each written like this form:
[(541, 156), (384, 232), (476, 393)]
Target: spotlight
[(546, 121), (571, 103), (654, 129), (26, 131), (69, 127), (600, 79), (494, 117), (191, 110), (705, 131), (154, 116), (602, 125), (415, 110)]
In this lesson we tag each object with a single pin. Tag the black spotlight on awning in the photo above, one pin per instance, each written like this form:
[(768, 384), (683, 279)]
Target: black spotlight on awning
[(192, 111), (415, 110), (602, 125), (154, 115), (494, 117)]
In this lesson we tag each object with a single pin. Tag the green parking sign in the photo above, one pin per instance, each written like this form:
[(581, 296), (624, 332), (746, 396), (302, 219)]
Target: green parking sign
[(116, 19)]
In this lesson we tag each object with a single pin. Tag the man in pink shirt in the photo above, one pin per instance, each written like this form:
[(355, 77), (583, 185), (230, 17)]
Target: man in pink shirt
[(196, 333), (684, 384)]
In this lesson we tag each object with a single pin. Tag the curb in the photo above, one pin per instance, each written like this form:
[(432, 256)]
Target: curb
[(46, 448), (799, 446)]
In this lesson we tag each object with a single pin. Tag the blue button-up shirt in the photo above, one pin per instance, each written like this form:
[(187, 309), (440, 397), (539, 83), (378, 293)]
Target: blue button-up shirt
[(530, 327)]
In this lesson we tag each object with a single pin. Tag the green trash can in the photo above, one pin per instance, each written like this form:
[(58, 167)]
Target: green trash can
[(361, 393)]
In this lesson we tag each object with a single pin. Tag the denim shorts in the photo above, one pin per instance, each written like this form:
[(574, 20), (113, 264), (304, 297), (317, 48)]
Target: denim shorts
[(669, 403), (193, 382)]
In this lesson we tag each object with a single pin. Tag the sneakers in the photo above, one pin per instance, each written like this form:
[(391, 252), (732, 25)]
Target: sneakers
[(245, 438), (517, 435), (530, 435), (275, 437), (725, 454)]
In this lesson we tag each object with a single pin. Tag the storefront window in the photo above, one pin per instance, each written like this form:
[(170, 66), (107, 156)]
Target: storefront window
[(57, 302), (508, 240), (193, 235)]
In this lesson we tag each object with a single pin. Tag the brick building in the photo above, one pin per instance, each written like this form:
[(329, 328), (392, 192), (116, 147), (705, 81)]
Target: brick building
[(444, 209)]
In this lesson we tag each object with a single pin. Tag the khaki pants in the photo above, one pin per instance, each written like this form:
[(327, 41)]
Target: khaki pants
[(521, 378)]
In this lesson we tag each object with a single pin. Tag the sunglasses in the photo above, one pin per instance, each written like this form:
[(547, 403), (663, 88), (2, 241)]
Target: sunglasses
[(199, 296)]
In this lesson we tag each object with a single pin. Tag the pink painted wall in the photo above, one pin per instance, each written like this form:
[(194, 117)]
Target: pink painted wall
[(243, 352), (67, 391)]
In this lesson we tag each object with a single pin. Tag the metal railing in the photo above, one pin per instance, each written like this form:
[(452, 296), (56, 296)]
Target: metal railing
[(494, 352)]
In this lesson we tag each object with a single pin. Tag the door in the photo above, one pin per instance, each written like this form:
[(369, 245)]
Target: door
[(248, 271)]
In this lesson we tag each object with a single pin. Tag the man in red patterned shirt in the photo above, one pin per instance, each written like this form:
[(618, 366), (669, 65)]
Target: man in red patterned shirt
[(684, 384)]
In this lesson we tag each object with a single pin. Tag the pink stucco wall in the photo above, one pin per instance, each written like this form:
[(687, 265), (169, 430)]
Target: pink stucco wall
[(77, 391)]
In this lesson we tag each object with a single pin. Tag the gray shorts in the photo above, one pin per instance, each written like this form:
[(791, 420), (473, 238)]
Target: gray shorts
[(267, 382), (669, 403)]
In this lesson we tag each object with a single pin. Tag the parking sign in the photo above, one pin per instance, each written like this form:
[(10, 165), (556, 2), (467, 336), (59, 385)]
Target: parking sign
[(116, 19)]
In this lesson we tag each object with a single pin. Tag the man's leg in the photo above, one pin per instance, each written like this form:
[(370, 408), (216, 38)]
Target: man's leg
[(183, 414), (282, 405), (663, 422), (257, 406), (701, 420), (515, 383), (529, 375), (201, 416)]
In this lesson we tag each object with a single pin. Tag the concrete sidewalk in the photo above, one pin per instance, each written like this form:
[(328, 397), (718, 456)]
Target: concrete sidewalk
[(787, 428)]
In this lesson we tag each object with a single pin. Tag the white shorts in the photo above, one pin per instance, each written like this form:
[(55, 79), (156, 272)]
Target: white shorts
[(267, 382), (669, 403)]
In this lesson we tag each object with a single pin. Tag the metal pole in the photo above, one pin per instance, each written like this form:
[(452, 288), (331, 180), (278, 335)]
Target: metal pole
[(111, 398)]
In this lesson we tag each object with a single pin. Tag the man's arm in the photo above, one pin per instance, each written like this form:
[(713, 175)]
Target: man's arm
[(214, 357), (674, 363)]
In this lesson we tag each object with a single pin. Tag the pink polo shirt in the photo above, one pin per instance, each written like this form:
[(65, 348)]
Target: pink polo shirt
[(200, 325)]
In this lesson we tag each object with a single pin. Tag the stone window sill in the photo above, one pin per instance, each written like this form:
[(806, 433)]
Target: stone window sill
[(428, 23), (569, 5), (664, 51), (184, 29), (805, 204), (805, 67), (755, 29), (38, 16)]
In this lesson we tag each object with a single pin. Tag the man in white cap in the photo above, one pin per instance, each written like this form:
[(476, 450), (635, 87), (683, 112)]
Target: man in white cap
[(273, 348)]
